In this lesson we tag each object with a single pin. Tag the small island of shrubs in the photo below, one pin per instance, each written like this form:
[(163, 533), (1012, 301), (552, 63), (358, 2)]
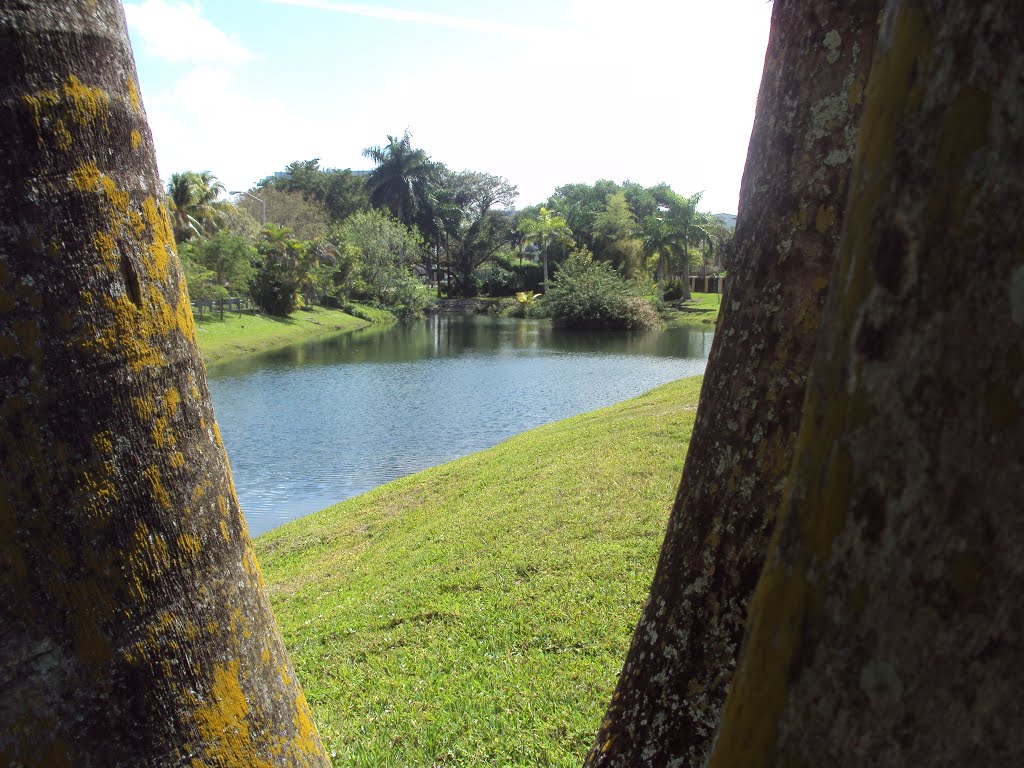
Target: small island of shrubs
[(591, 295)]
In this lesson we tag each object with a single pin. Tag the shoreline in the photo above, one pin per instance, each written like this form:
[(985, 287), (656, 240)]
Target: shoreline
[(238, 335), (517, 570)]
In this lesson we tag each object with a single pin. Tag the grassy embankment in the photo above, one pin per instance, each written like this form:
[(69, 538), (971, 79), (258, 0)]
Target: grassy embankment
[(242, 334), (702, 307), (477, 613)]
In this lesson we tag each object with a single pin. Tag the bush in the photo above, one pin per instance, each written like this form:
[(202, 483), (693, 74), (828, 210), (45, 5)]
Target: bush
[(407, 297), (528, 276), (495, 280), (673, 289), (280, 272), (589, 294)]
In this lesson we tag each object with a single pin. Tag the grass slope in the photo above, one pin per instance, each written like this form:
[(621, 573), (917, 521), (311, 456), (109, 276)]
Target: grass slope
[(477, 613), (241, 334), (701, 307)]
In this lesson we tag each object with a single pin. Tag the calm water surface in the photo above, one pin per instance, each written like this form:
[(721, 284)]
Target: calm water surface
[(311, 425)]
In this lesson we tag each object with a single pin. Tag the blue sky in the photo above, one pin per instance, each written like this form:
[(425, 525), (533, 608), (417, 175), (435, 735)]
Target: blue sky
[(542, 92)]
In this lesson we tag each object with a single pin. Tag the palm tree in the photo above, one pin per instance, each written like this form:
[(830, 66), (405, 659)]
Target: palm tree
[(662, 241), (682, 217), (438, 219), (192, 199), (400, 180), (135, 626), (545, 229), (712, 237)]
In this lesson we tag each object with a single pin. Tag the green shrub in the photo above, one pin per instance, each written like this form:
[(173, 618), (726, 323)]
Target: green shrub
[(407, 297), (280, 271), (528, 304), (589, 294), (673, 289), (529, 276), (495, 280)]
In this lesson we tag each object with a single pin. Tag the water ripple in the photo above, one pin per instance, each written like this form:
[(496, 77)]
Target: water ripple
[(312, 425)]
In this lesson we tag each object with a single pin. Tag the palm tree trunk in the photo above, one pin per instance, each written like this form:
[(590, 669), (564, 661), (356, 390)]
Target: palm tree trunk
[(685, 269), (133, 621), (544, 252), (885, 627), (676, 675)]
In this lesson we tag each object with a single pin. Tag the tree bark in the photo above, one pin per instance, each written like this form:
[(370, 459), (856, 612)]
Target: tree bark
[(684, 269), (886, 627), (134, 628), (669, 697)]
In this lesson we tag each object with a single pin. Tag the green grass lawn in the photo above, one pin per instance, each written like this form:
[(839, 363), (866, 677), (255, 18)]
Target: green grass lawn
[(702, 307), (478, 613), (241, 334)]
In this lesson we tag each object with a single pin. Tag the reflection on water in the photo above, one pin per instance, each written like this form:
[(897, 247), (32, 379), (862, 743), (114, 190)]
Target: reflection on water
[(310, 425)]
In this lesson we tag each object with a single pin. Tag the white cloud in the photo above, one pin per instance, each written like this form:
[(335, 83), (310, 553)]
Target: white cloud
[(665, 92), (415, 17), (660, 91), (206, 121), (177, 32)]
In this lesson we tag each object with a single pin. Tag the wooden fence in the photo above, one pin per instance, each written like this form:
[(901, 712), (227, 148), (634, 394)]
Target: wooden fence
[(238, 306)]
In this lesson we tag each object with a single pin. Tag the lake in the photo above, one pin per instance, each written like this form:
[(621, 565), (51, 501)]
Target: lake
[(311, 425)]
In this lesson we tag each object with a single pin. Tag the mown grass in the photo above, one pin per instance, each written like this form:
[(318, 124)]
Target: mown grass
[(477, 613), (701, 307), (242, 334)]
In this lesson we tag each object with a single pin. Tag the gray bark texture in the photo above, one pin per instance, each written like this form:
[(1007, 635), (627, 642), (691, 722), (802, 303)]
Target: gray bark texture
[(886, 628), (666, 706), (134, 629)]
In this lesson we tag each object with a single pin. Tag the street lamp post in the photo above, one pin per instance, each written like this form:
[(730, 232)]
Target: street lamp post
[(263, 219)]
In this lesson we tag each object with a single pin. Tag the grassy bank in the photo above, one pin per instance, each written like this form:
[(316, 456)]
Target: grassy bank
[(702, 307), (241, 334), (478, 613)]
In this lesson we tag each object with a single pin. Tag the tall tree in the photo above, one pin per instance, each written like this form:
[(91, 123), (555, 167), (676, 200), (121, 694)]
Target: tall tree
[(340, 192), (682, 217), (660, 242), (483, 224), (677, 672), (134, 628), (400, 178), (304, 216), (544, 229), (579, 205), (383, 251), (616, 235), (886, 625)]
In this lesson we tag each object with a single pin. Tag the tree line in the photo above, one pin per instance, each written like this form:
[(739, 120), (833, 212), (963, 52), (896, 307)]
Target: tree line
[(328, 236)]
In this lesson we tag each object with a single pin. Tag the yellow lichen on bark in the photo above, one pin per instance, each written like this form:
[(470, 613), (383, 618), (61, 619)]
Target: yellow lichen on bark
[(152, 474), (87, 105), (132, 328), (86, 177), (307, 740), (190, 545), (133, 96), (99, 493), (223, 723), (57, 110)]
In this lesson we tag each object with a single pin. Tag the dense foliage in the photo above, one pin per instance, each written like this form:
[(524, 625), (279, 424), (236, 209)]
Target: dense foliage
[(391, 235), (591, 294)]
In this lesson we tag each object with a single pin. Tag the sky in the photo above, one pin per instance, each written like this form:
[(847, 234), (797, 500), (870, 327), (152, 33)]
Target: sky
[(542, 92)]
